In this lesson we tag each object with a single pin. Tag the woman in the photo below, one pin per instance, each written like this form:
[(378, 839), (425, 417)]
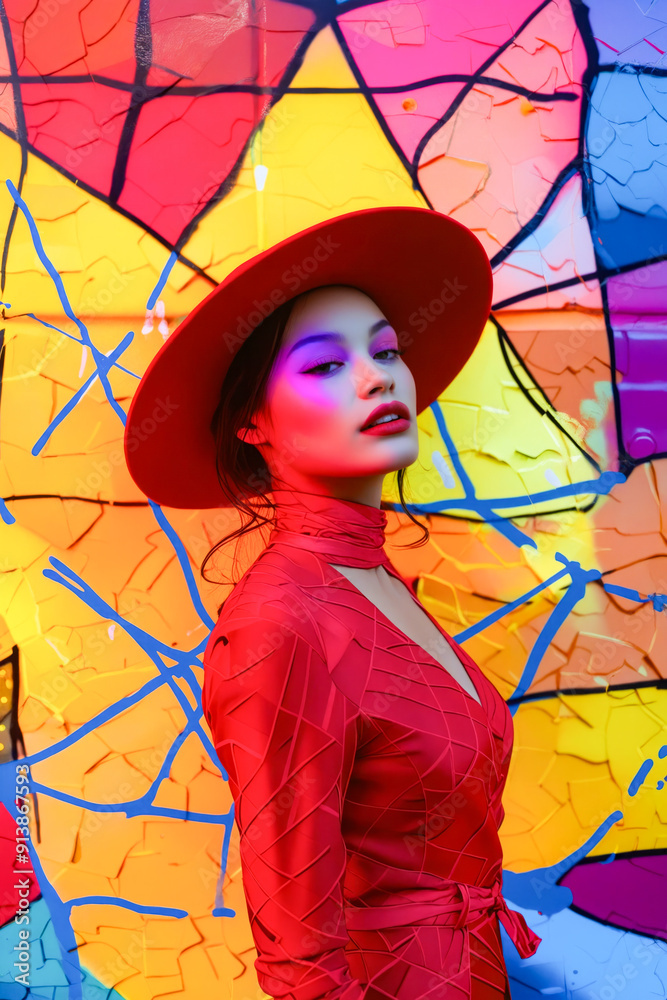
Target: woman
[(366, 751)]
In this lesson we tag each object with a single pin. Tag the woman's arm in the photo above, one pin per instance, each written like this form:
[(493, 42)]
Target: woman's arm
[(283, 733)]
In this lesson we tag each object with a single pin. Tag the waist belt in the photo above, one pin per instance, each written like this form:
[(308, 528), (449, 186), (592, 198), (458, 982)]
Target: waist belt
[(461, 904)]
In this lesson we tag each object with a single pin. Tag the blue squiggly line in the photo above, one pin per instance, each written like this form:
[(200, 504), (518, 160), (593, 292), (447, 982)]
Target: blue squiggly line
[(537, 889), (163, 911), (98, 720), (482, 507), (162, 280), (5, 513), (226, 841), (579, 576), (165, 766), (135, 807), (65, 333), (599, 487), (659, 601), (640, 777), (53, 274), (78, 396), (184, 562), (51, 326), (68, 578), (574, 593), (150, 645), (488, 620), (101, 361)]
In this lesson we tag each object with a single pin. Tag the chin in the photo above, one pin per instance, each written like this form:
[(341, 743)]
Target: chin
[(407, 454), (394, 455), (401, 460)]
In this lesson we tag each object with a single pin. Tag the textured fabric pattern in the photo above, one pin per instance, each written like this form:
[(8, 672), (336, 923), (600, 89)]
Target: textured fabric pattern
[(367, 782)]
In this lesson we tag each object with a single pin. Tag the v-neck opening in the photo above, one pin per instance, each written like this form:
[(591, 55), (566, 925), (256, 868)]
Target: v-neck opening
[(449, 639)]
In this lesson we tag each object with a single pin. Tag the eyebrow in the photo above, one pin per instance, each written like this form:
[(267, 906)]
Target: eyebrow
[(336, 336)]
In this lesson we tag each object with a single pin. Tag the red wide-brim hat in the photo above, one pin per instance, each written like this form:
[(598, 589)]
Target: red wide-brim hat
[(428, 274)]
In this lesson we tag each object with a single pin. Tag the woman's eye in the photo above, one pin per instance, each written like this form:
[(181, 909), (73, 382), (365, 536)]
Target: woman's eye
[(394, 350), (319, 365), (323, 364)]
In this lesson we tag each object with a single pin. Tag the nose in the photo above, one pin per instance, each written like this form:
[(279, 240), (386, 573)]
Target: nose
[(371, 376)]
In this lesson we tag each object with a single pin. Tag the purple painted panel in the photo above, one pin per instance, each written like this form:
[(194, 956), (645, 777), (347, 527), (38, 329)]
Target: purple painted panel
[(628, 892), (638, 316)]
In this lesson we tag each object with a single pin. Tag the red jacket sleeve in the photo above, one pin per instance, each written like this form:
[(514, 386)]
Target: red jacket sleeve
[(286, 738)]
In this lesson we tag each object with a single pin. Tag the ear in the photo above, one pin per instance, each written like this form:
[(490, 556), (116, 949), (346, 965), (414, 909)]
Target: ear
[(251, 435)]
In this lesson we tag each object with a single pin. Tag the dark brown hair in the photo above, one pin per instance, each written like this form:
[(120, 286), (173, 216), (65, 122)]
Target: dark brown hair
[(242, 473)]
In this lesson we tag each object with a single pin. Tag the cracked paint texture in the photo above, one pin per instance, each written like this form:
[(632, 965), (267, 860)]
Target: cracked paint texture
[(130, 136)]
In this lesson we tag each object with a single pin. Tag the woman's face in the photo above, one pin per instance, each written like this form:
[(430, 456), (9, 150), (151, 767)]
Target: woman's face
[(337, 362)]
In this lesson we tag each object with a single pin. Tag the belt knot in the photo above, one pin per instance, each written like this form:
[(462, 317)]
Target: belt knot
[(457, 904)]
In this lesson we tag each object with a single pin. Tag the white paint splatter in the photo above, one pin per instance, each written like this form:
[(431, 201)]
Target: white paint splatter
[(444, 470), (260, 172)]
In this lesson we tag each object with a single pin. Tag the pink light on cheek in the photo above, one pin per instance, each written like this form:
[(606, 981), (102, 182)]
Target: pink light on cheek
[(306, 400)]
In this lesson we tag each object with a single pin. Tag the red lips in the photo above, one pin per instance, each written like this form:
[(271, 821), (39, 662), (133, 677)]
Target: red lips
[(400, 409)]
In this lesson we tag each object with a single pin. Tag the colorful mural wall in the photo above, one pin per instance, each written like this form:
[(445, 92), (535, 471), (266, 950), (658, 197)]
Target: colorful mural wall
[(148, 147)]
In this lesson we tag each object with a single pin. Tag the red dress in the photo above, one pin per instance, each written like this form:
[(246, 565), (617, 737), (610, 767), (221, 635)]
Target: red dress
[(367, 782)]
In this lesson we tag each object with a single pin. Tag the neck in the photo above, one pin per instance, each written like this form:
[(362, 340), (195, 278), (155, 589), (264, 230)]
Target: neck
[(359, 489), (343, 532)]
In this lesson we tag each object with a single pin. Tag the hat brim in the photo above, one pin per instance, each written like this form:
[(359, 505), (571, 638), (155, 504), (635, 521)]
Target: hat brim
[(429, 275)]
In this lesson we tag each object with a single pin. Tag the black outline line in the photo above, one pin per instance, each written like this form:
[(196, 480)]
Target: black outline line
[(292, 68), (637, 68), (506, 345), (61, 496), (626, 464), (152, 92), (380, 119), (623, 856), (143, 56), (601, 274), (582, 22), (533, 293), (20, 136), (15, 732), (141, 94), (463, 93), (566, 174), (388, 505), (143, 226), (660, 683), (599, 859), (620, 448)]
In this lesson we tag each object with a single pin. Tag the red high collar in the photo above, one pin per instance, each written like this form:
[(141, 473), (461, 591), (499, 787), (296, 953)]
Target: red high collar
[(345, 532)]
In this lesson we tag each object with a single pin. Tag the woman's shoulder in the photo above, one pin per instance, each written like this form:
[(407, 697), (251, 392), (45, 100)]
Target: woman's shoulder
[(277, 590), (286, 606)]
